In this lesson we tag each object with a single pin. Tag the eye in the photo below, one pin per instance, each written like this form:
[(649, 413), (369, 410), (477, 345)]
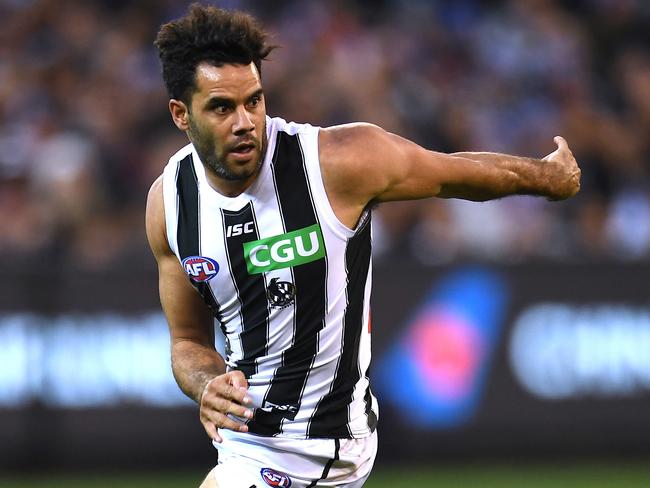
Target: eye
[(254, 101), (221, 108)]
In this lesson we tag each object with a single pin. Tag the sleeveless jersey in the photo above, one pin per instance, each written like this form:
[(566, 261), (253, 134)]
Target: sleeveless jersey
[(288, 283)]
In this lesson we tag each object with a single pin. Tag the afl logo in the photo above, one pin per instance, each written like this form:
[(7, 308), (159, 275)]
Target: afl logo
[(274, 478), (200, 268)]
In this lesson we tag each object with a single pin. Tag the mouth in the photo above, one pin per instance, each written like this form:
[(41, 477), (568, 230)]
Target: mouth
[(243, 153), (243, 149)]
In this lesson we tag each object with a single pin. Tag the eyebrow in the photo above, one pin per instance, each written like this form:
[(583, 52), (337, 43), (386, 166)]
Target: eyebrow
[(217, 100), (257, 93)]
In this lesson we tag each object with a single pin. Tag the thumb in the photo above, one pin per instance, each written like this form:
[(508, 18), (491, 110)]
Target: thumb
[(561, 143)]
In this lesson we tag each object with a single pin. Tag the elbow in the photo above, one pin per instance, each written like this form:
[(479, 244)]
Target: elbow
[(465, 192)]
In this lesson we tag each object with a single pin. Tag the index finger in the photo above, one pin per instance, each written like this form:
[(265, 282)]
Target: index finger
[(236, 388), (237, 379)]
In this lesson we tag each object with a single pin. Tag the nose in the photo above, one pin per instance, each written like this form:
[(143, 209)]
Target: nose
[(244, 122)]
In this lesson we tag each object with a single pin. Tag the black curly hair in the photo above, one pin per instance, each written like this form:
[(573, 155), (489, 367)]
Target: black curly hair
[(207, 34)]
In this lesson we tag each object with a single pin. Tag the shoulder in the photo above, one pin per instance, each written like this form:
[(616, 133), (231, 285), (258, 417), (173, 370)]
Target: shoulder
[(359, 158), (341, 141), (155, 196), (155, 213), (349, 149), (350, 167), (155, 218), (361, 145)]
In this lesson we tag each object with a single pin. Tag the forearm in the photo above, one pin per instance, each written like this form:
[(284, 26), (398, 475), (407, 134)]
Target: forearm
[(496, 158), (194, 365), (505, 174)]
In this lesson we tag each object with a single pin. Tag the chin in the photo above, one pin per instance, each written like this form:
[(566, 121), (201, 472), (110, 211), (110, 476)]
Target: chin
[(239, 173), (246, 168)]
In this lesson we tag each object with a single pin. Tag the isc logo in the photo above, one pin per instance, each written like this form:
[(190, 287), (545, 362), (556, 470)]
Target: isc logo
[(274, 478), (239, 229), (200, 268)]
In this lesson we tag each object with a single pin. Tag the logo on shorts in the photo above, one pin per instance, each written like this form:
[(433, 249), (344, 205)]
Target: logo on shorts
[(275, 478), (200, 268), (281, 294)]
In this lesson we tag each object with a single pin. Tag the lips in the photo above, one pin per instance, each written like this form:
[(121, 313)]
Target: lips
[(244, 152), (244, 147)]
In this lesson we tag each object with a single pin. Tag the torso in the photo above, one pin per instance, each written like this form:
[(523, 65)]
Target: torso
[(292, 287)]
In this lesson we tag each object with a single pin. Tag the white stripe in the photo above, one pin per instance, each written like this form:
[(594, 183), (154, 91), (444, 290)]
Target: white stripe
[(358, 417)]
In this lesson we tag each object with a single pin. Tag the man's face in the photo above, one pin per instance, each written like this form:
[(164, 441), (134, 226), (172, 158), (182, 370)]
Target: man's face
[(227, 120)]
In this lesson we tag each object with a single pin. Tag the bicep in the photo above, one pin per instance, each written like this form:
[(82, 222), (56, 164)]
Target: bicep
[(369, 164), (188, 316), (414, 172)]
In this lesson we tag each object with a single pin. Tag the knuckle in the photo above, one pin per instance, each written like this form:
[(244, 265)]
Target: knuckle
[(213, 385), (216, 387), (230, 425), (220, 406), (217, 420)]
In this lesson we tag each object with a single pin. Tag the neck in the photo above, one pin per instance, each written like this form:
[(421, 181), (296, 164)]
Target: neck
[(229, 188)]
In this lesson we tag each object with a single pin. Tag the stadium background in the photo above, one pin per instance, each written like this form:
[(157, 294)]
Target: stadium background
[(511, 339)]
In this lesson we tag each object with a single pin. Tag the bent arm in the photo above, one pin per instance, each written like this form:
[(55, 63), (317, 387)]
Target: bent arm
[(195, 360), (199, 369)]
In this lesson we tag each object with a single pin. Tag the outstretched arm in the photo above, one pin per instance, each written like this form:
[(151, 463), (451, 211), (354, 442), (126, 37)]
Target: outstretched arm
[(556, 176), (198, 368), (362, 163)]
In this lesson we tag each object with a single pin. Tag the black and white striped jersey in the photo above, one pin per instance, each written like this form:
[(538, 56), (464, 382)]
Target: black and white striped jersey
[(287, 281)]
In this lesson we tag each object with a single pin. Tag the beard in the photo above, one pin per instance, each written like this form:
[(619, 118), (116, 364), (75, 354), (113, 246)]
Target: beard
[(214, 157)]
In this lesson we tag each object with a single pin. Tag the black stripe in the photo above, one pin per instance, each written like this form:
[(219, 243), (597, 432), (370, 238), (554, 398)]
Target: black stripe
[(370, 413), (332, 414), (188, 233), (328, 466), (188, 209), (250, 289), (283, 397)]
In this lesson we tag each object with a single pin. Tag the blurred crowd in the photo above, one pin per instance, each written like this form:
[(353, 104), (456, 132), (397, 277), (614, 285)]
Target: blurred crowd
[(85, 129)]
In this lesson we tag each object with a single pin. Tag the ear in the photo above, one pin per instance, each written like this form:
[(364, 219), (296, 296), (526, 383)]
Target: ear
[(180, 114)]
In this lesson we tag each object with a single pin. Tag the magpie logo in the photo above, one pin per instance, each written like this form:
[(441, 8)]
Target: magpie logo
[(281, 294)]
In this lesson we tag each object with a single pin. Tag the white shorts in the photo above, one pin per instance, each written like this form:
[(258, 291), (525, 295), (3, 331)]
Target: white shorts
[(254, 461)]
